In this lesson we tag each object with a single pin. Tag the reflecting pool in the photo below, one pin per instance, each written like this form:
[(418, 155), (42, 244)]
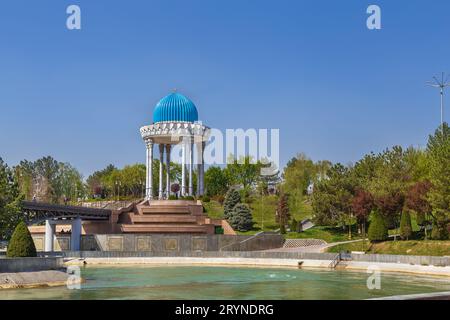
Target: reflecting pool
[(188, 282)]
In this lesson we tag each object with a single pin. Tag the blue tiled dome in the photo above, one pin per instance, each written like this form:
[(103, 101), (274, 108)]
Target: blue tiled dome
[(175, 107)]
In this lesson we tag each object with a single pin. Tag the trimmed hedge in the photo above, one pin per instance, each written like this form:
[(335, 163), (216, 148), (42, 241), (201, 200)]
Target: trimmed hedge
[(21, 243)]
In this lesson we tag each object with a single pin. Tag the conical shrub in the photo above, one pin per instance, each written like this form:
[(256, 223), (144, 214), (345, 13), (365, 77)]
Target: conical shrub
[(21, 243), (378, 230)]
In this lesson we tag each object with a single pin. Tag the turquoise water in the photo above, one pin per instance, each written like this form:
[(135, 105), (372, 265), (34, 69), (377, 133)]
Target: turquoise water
[(180, 282)]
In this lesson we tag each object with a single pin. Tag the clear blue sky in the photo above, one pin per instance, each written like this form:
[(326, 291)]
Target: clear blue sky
[(334, 88)]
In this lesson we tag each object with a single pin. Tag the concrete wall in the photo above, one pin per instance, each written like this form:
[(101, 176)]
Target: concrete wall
[(204, 254), (30, 264), (166, 242), (414, 260)]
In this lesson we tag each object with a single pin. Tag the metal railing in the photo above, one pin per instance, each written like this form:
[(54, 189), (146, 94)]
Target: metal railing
[(335, 261)]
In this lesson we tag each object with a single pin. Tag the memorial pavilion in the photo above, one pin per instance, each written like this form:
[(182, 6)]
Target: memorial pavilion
[(175, 122)]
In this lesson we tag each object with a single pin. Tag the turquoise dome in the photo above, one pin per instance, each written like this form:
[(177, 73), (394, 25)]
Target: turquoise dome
[(175, 107)]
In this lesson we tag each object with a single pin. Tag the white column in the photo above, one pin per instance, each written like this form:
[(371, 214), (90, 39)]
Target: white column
[(75, 237), (50, 229), (183, 168), (168, 146), (191, 164), (161, 160), (149, 176), (202, 169)]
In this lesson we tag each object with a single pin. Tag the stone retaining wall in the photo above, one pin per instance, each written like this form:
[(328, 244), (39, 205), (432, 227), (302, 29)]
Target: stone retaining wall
[(30, 264), (166, 242), (391, 258)]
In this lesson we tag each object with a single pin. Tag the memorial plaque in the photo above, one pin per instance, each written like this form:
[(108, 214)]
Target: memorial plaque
[(198, 244), (143, 244), (171, 244), (115, 243)]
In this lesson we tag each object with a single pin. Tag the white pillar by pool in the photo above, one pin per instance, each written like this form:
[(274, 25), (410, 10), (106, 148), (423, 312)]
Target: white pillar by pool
[(202, 169), (75, 237), (50, 229), (183, 169), (161, 160), (168, 146), (191, 164), (149, 175)]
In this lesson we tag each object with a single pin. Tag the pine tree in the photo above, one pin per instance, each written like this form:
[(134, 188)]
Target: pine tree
[(377, 230), (232, 198), (241, 218), (21, 243), (405, 225)]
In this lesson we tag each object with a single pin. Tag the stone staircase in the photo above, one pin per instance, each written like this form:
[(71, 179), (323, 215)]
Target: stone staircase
[(163, 216)]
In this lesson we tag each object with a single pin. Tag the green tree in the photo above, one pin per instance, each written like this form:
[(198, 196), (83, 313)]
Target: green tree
[(244, 172), (241, 218), (438, 149), (294, 225), (10, 201), (405, 225), (216, 181), (332, 197), (21, 243), (232, 198), (377, 229)]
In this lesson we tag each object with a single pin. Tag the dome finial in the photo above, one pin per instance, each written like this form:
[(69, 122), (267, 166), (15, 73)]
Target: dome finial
[(174, 90)]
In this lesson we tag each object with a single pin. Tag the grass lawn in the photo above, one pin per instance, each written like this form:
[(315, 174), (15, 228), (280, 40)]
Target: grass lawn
[(412, 247), (263, 212), (329, 234)]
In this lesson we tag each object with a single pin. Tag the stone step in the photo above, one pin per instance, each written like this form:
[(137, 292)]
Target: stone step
[(163, 218), (164, 228), (165, 210)]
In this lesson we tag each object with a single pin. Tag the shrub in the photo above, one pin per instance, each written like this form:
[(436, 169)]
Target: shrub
[(241, 218), (405, 225), (173, 197), (206, 199), (232, 198), (21, 243), (188, 198), (377, 230), (218, 230)]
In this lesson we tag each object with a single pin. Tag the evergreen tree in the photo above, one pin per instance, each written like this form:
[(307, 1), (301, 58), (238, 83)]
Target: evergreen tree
[(405, 225), (21, 243), (377, 230), (232, 198), (438, 149), (241, 218)]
